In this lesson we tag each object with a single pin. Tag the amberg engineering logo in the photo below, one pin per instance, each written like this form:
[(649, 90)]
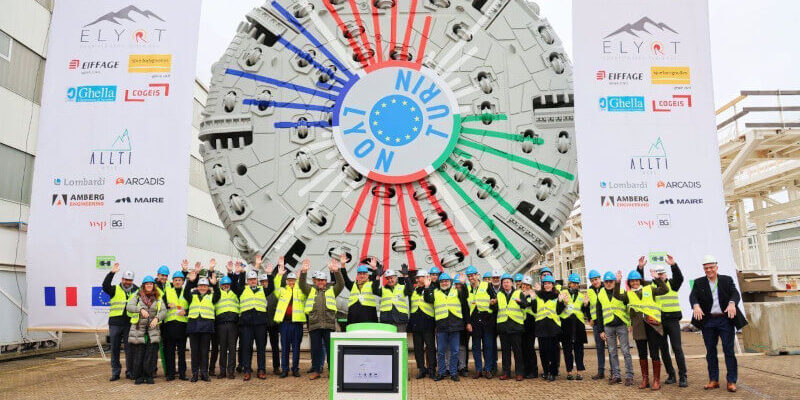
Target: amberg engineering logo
[(77, 200), (118, 153), (92, 94), (654, 160), (624, 201), (622, 103), (645, 38), (128, 26)]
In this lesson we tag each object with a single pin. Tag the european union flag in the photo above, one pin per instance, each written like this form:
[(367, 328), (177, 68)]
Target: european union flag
[(99, 297), (396, 120), (50, 296)]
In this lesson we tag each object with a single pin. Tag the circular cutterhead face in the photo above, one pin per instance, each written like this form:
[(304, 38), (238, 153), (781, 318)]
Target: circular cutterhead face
[(432, 133), (396, 124)]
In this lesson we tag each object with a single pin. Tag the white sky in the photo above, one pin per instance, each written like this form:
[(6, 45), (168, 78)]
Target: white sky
[(753, 44)]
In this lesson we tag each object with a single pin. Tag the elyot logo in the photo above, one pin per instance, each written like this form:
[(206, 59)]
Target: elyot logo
[(681, 201), (104, 262), (79, 181), (78, 200), (619, 77), (643, 38), (623, 185), (655, 159), (678, 101), (622, 103), (140, 181), (679, 185), (118, 153), (152, 90), (624, 201), (92, 94), (128, 26), (149, 63), (87, 67), (139, 200), (670, 76)]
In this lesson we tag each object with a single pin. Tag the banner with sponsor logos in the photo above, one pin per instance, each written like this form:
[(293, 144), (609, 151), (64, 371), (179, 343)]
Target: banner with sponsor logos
[(648, 160), (112, 166)]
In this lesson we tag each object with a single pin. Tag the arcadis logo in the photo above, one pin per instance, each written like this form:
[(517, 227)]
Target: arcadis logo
[(152, 90), (622, 103), (140, 181), (642, 38), (130, 26), (92, 94), (149, 63), (670, 76), (119, 152), (679, 185)]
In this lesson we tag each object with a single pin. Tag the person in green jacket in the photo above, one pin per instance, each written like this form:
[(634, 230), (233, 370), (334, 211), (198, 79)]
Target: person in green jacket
[(321, 309)]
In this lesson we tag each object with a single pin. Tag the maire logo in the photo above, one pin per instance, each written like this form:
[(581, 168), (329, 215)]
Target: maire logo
[(679, 185), (655, 159), (619, 77), (622, 103), (624, 201), (140, 181), (643, 38), (118, 153), (139, 200), (92, 94), (87, 67), (681, 202), (77, 200), (127, 26), (677, 101), (152, 90)]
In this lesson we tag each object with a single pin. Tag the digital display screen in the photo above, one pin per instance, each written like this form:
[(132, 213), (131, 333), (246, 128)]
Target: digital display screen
[(372, 369), (365, 368)]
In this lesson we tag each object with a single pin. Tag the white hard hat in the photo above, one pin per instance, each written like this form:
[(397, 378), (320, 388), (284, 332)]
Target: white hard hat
[(291, 275), (422, 273), (389, 273), (497, 273), (202, 281), (128, 275), (659, 269), (251, 275), (527, 280), (263, 277), (320, 275), (709, 259)]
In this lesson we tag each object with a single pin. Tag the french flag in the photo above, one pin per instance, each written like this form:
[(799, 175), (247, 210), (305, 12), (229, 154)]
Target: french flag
[(70, 296)]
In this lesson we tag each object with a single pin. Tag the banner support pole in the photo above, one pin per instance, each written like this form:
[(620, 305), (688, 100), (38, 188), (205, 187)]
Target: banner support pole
[(100, 345)]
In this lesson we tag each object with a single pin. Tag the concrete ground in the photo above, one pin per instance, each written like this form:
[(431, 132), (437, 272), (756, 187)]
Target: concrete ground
[(81, 374)]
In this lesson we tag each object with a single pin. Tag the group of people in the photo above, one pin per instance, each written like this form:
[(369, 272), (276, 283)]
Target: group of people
[(443, 314)]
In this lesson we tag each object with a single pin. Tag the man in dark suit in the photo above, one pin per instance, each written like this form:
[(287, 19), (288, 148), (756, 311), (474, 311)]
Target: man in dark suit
[(714, 298)]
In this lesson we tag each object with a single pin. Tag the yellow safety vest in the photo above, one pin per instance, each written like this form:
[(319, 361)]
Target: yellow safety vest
[(135, 317), (668, 302), (547, 309), (612, 307), (228, 302), (363, 296), (574, 307), (479, 298), (330, 300), (249, 300), (646, 304), (394, 299), (592, 302), (418, 303), (202, 308), (509, 309), (445, 305), (180, 303), (298, 304), (119, 302)]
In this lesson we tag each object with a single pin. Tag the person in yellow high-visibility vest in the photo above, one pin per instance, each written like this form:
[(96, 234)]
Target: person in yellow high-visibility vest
[(645, 317), (320, 306), (422, 326), (291, 314), (450, 306), (573, 327), (393, 301), (148, 310), (613, 320), (119, 321), (362, 305), (253, 318), (482, 305), (174, 328), (529, 359), (595, 286), (510, 326), (546, 309), (226, 311), (200, 327)]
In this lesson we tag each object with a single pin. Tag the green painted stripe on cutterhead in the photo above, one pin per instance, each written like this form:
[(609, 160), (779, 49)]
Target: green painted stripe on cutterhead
[(483, 185), (484, 117), (518, 159), (501, 135), (488, 221), (454, 136), (462, 153)]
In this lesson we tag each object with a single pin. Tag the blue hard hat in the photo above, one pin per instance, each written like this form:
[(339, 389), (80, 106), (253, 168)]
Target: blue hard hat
[(574, 278), (362, 268), (545, 269), (471, 270), (487, 275), (594, 274), (178, 274), (634, 275), (506, 276), (549, 278), (457, 278), (148, 279), (609, 276), (435, 270), (225, 281), (444, 277), (518, 277), (163, 270)]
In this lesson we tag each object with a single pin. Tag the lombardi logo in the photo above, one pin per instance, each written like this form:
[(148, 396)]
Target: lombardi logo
[(622, 103)]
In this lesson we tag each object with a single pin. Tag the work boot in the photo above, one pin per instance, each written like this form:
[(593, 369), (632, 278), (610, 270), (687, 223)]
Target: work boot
[(656, 375), (284, 374), (150, 381), (183, 377), (114, 378), (569, 376), (711, 385), (578, 377), (464, 372), (231, 374), (296, 374), (437, 378), (454, 378), (519, 378), (683, 382), (645, 378), (194, 376), (139, 381), (204, 377), (239, 369), (628, 381), (421, 374), (276, 371), (599, 375), (488, 374), (731, 387), (310, 370), (314, 376), (247, 376), (261, 374), (614, 380), (670, 379)]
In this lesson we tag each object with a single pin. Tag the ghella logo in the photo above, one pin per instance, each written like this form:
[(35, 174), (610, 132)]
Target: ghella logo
[(127, 26), (645, 37)]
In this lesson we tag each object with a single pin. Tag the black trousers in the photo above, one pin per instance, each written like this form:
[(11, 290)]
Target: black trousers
[(425, 350), (226, 334), (652, 343), (257, 334), (174, 342), (531, 365), (672, 332), (573, 354), (118, 340), (145, 357), (512, 343), (548, 350), (200, 343), (273, 333)]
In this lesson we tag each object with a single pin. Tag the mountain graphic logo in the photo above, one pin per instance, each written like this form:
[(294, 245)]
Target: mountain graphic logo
[(657, 149), (120, 143), (130, 13), (642, 26)]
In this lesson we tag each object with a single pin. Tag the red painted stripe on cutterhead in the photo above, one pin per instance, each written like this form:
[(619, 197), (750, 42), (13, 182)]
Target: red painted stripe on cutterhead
[(409, 26), (447, 223), (393, 38), (359, 22), (387, 229), (341, 25), (423, 41), (422, 227), (373, 209), (357, 208), (401, 203), (376, 25)]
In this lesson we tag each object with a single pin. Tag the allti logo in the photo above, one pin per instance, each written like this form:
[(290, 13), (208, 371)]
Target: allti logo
[(655, 159), (118, 153)]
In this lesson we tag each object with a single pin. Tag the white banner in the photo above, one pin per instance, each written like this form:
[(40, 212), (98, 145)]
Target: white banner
[(649, 168), (112, 163)]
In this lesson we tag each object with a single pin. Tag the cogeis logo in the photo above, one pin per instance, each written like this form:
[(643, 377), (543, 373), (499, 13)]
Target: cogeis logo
[(622, 103), (92, 94)]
